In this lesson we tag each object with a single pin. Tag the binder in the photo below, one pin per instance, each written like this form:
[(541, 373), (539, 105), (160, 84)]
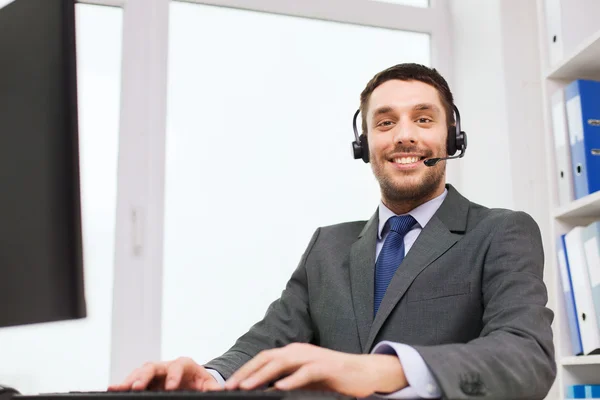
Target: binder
[(583, 120), (591, 247), (569, 23), (562, 149), (592, 391), (583, 392), (569, 299), (575, 392), (554, 37), (582, 291)]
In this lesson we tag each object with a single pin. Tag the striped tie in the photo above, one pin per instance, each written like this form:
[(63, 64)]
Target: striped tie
[(391, 255)]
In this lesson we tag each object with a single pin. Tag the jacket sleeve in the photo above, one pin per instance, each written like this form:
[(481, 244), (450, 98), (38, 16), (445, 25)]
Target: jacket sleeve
[(513, 358), (287, 320)]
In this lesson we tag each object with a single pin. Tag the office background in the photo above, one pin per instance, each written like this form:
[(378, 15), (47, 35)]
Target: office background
[(202, 121)]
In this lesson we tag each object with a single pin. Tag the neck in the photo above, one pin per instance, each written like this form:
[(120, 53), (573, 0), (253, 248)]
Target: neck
[(406, 206)]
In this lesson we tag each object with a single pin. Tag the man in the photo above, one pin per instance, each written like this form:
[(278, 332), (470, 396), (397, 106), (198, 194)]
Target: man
[(434, 296)]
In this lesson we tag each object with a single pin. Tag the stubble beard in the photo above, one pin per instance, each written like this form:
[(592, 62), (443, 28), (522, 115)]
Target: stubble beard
[(409, 189)]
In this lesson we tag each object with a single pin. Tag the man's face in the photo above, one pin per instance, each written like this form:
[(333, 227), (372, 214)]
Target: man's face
[(406, 123)]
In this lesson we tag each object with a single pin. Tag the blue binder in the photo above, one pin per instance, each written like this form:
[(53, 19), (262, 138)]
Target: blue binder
[(583, 392), (569, 298), (592, 391), (583, 118), (575, 392)]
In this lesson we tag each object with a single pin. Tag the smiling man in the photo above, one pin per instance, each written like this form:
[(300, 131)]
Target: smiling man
[(433, 297)]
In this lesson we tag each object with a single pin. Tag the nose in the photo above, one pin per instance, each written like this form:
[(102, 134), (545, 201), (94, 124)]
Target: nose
[(405, 132)]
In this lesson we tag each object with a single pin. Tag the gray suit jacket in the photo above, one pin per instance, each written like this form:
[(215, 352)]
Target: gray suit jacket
[(469, 297)]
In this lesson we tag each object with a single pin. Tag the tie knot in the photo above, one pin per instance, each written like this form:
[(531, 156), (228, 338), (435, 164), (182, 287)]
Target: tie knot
[(401, 224)]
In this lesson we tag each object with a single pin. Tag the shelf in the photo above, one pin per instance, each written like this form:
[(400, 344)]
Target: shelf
[(583, 62), (586, 207), (580, 360)]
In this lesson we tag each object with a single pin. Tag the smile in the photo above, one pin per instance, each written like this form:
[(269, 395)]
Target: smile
[(407, 161)]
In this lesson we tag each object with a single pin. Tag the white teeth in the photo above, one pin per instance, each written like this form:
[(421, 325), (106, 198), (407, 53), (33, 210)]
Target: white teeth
[(406, 160)]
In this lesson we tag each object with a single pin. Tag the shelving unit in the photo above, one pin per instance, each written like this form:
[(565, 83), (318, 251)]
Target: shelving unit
[(586, 208), (583, 62), (580, 62), (580, 360)]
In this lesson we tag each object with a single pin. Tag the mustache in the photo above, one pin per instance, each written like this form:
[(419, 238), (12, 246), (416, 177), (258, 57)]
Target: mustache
[(411, 149)]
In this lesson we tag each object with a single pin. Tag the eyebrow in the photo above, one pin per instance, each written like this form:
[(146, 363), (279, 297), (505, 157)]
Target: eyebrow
[(419, 107), (382, 110), (426, 107)]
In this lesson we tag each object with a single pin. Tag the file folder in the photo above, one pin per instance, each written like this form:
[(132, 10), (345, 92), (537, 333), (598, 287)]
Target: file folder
[(591, 246), (554, 35), (592, 391), (583, 120), (575, 392), (583, 392), (569, 299), (562, 149), (582, 291)]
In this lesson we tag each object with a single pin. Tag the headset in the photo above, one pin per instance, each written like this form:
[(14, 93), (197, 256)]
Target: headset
[(457, 141)]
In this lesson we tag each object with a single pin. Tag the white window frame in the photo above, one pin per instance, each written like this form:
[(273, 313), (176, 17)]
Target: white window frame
[(137, 293)]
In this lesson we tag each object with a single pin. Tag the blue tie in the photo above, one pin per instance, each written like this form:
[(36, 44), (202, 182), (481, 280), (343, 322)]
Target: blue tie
[(391, 254)]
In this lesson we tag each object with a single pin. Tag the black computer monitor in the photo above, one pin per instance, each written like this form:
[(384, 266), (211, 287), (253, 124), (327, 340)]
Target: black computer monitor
[(41, 260)]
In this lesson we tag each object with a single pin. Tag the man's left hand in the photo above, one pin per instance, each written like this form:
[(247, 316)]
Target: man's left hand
[(311, 367)]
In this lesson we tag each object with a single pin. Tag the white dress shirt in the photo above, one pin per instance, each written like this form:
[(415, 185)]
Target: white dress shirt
[(421, 384)]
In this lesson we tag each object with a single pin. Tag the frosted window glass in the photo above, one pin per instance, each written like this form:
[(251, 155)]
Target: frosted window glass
[(74, 355), (259, 133)]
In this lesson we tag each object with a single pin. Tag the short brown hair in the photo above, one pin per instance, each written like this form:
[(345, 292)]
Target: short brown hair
[(409, 72)]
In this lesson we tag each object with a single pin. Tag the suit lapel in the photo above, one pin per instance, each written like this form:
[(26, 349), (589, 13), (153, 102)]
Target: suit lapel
[(362, 275), (441, 232)]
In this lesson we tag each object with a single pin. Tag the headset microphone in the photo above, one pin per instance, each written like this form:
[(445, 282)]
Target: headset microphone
[(430, 162)]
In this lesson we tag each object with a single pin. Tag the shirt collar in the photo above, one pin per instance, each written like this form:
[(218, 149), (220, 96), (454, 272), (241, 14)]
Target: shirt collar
[(422, 214)]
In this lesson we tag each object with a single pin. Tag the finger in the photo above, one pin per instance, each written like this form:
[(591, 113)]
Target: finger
[(175, 371), (205, 381), (308, 374), (211, 385), (117, 387), (127, 382), (248, 369), (147, 373), (269, 372)]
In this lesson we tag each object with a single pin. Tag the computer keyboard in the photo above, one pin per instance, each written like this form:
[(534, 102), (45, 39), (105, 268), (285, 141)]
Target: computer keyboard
[(188, 395)]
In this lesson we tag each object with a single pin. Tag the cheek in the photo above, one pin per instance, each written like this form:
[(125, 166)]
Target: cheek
[(378, 144), (435, 143)]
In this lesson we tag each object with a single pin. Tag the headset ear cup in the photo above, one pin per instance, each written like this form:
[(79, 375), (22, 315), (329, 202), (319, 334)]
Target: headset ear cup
[(461, 142), (451, 143), (364, 144)]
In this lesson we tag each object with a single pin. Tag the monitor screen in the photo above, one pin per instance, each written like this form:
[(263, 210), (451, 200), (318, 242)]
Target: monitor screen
[(41, 260)]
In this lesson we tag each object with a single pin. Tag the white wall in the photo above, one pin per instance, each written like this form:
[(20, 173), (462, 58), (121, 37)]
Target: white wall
[(497, 88), (480, 95), (523, 104)]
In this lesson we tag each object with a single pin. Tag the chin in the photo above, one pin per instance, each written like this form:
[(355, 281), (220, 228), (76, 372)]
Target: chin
[(410, 187)]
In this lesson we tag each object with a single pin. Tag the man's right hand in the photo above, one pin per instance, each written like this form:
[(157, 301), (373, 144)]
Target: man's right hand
[(182, 373)]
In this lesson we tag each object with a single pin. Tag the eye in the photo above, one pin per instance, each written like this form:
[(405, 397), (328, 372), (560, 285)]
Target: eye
[(385, 123), (424, 120)]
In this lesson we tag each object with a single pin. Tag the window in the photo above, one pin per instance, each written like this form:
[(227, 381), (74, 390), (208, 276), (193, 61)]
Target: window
[(74, 355), (258, 156)]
